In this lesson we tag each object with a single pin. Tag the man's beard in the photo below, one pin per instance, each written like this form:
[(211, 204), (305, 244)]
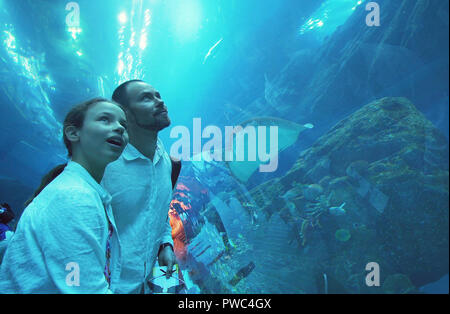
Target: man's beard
[(154, 127), (158, 126)]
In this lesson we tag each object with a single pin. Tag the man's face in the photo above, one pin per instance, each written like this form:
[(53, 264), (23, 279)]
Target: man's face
[(146, 107)]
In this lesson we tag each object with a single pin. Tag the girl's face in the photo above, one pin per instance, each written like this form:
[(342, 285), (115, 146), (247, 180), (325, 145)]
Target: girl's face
[(103, 136)]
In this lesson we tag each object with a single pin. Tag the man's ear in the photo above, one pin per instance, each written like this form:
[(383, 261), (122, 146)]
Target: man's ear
[(72, 133)]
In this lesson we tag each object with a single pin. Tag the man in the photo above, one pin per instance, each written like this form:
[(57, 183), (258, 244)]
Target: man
[(141, 188)]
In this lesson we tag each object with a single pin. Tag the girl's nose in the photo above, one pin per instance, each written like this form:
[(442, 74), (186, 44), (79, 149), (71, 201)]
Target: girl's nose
[(120, 128)]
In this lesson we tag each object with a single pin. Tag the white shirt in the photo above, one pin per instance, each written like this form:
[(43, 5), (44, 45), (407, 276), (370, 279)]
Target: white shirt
[(141, 192), (66, 223)]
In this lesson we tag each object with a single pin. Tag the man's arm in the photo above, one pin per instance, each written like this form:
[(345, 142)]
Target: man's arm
[(166, 255)]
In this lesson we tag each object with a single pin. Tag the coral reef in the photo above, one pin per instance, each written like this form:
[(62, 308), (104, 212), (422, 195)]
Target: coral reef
[(389, 165)]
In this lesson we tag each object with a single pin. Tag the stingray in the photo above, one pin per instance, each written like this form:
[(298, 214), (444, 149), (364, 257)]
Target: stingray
[(288, 133)]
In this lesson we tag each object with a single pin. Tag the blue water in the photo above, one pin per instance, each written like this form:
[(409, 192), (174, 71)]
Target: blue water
[(228, 61)]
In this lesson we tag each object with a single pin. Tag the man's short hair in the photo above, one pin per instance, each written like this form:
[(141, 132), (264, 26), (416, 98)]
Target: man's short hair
[(120, 93)]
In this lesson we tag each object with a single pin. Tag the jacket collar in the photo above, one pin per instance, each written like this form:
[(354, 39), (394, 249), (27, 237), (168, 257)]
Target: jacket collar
[(75, 167)]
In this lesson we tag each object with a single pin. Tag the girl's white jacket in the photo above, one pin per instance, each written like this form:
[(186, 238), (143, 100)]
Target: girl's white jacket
[(60, 242)]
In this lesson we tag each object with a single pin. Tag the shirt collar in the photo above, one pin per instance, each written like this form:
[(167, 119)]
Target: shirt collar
[(131, 153), (159, 151), (84, 174)]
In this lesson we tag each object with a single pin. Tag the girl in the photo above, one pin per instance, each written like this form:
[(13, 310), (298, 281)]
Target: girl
[(66, 241)]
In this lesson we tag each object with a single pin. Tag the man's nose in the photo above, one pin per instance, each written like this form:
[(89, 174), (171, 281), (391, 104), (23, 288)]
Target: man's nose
[(160, 102)]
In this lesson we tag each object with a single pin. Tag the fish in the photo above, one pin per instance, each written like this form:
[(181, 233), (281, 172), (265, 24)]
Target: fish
[(242, 273), (210, 50), (288, 133), (337, 211), (248, 205)]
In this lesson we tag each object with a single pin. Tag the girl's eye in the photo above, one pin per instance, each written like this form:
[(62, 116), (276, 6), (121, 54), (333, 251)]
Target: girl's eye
[(104, 119)]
